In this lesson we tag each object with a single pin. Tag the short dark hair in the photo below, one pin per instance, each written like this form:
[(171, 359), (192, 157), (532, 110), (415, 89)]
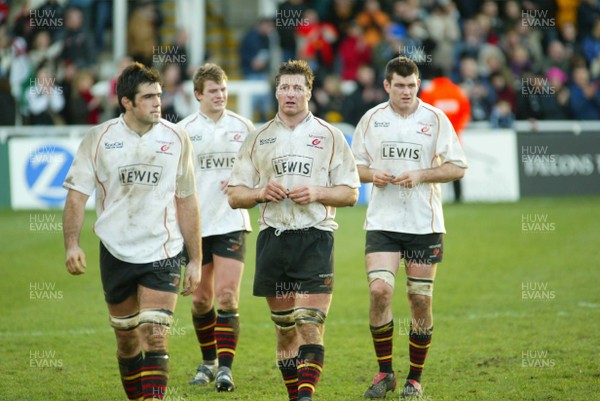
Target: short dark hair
[(296, 67), (402, 66), (130, 79), (208, 72)]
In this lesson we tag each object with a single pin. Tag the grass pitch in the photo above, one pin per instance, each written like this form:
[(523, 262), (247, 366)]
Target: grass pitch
[(516, 311)]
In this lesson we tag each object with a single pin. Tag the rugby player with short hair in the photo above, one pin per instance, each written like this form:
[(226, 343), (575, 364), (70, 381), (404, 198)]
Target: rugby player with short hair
[(299, 169), (142, 171), (406, 148), (217, 134)]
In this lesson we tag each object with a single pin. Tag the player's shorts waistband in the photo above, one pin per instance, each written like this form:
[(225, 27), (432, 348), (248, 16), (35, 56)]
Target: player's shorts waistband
[(284, 231)]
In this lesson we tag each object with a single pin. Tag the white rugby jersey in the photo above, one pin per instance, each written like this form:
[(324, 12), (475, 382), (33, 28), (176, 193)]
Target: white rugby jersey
[(313, 153), (136, 179), (384, 140), (216, 145)]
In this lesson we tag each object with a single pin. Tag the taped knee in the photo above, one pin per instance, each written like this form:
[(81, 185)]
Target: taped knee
[(381, 274), (163, 317), (125, 322), (309, 316), (283, 319), (419, 286)]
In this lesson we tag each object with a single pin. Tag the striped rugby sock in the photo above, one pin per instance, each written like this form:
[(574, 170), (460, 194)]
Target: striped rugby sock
[(418, 345), (131, 376), (204, 325), (383, 340), (155, 375), (289, 372), (310, 366), (227, 330)]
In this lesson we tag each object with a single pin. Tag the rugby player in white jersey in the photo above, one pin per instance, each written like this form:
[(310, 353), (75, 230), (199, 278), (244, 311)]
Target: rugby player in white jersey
[(406, 148), (141, 168), (217, 134), (299, 169)]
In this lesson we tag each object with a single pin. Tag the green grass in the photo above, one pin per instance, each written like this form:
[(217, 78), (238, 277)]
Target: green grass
[(491, 342)]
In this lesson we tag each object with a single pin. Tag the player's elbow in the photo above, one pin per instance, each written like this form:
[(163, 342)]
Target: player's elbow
[(234, 198), (352, 197), (460, 172)]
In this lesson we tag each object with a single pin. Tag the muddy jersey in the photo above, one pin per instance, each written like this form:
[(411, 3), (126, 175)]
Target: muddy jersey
[(313, 153), (386, 141), (136, 179), (216, 145)]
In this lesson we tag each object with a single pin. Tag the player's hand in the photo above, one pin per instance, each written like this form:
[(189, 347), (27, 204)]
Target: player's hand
[(224, 185), (273, 192), (75, 261), (381, 179), (303, 195), (191, 279), (408, 179)]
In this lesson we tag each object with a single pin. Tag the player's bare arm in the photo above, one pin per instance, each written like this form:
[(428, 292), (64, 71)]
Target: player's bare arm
[(379, 178), (242, 197), (337, 196), (447, 172), (72, 222), (188, 217)]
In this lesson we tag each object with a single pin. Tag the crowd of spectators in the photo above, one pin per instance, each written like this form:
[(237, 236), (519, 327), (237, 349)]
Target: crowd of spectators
[(530, 59), (514, 59)]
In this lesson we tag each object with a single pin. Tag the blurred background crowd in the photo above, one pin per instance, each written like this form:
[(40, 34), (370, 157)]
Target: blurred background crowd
[(532, 59)]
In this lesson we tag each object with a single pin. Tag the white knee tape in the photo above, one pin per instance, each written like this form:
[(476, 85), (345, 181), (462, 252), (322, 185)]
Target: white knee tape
[(419, 286), (309, 316), (284, 320), (125, 322), (164, 317), (381, 274)]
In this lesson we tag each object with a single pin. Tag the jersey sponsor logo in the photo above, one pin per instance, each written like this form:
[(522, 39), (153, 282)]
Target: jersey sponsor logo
[(113, 145), (236, 136), (143, 174), (425, 129), (196, 138), (315, 141), (293, 165), (381, 124), (267, 141), (164, 148), (401, 151), (215, 161)]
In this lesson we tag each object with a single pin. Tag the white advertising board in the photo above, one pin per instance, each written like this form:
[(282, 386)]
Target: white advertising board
[(38, 167)]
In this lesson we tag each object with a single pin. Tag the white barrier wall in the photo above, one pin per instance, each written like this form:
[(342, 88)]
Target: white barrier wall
[(493, 173)]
